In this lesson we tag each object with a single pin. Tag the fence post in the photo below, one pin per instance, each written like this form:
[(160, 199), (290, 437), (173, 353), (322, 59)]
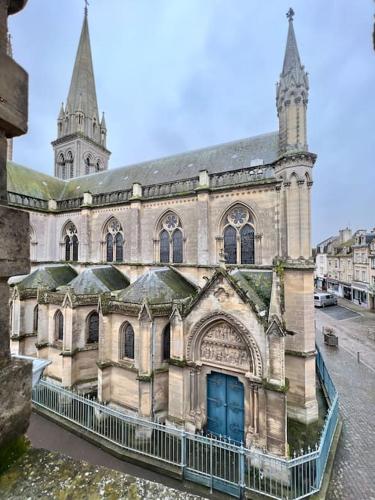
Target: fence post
[(241, 465), (183, 452)]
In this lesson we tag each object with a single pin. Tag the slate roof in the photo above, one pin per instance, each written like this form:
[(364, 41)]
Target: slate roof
[(95, 280), (257, 285), (160, 286), (23, 180), (215, 159), (48, 276)]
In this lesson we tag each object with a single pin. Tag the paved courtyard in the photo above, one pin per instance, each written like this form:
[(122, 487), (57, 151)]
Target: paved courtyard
[(353, 474)]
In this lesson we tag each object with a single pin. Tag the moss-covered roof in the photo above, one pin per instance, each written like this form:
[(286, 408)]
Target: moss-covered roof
[(48, 276), (23, 180), (160, 286), (99, 279), (215, 159), (257, 285)]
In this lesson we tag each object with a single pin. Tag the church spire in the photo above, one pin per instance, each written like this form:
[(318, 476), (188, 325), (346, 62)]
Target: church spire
[(81, 141), (292, 96), (82, 85)]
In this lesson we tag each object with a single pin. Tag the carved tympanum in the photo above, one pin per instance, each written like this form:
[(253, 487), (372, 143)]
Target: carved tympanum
[(223, 345)]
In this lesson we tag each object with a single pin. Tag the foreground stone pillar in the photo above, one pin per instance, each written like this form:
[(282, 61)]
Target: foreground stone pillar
[(15, 376)]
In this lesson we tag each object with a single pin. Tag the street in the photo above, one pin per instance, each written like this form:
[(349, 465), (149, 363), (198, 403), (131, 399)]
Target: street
[(353, 475)]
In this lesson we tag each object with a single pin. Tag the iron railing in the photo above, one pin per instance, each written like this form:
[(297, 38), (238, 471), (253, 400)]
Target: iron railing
[(216, 463)]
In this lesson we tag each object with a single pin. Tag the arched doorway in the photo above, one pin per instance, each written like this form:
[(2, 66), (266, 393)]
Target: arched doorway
[(225, 406)]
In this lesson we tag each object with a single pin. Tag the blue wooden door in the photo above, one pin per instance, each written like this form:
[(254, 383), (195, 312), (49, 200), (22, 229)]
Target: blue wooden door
[(225, 406)]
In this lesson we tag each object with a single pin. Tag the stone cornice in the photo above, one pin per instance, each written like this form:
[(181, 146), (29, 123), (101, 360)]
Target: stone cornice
[(78, 135), (294, 158)]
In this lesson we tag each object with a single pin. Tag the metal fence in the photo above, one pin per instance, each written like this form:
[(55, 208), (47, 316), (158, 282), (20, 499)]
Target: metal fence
[(216, 463)]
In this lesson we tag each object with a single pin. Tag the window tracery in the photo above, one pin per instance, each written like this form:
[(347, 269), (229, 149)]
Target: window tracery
[(238, 236), (114, 240), (71, 242), (171, 239)]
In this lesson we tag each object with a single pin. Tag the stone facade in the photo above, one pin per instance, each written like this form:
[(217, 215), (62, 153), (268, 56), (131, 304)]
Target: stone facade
[(214, 250)]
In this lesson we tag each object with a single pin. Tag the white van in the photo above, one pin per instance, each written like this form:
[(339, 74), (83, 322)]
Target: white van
[(324, 299)]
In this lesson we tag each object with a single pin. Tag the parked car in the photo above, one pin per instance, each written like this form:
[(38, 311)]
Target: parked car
[(324, 299)]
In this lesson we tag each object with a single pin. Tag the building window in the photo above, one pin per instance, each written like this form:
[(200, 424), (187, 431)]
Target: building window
[(164, 246), (71, 242), (93, 328), (127, 341), (87, 165), (114, 239), (363, 275), (230, 245), (167, 342), (59, 325), (35, 319), (239, 235), (171, 239)]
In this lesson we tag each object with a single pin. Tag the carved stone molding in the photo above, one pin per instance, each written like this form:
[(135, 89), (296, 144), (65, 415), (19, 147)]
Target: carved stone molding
[(221, 339)]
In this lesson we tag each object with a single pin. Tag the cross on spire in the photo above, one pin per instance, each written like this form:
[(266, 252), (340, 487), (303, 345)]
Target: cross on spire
[(86, 6), (290, 14)]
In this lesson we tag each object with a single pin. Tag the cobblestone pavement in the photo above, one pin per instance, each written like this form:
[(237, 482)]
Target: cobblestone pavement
[(353, 475)]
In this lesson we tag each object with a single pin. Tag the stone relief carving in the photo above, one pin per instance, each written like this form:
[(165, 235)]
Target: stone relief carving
[(221, 294), (223, 345), (218, 317)]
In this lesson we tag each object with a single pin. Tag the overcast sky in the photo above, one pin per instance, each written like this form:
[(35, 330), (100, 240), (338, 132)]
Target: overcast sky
[(174, 75)]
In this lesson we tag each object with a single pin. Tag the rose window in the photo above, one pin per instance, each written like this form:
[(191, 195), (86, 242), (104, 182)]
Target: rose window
[(170, 222), (238, 216)]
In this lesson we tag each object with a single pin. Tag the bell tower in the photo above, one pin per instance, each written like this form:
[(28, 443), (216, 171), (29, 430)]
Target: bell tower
[(294, 170), (80, 147)]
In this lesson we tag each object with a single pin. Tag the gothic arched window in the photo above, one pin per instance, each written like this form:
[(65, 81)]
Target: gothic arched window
[(167, 342), (93, 327), (119, 246), (126, 341), (164, 246), (238, 236), (70, 241), (75, 247), (87, 165), (230, 245), (114, 239), (247, 244), (171, 239), (61, 162), (59, 325), (67, 247), (69, 162), (35, 319)]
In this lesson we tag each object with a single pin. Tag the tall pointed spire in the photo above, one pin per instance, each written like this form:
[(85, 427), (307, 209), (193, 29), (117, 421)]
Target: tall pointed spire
[(83, 81), (292, 96), (81, 142), (291, 58)]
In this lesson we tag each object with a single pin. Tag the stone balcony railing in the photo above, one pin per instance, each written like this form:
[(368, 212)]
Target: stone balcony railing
[(242, 177)]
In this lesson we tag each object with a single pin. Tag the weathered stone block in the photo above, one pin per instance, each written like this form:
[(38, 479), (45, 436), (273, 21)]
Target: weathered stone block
[(15, 242), (15, 399)]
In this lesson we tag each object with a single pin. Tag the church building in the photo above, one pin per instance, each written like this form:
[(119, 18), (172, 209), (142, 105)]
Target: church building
[(177, 289)]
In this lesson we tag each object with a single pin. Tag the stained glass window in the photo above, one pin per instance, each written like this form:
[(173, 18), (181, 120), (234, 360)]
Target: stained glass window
[(177, 246), (230, 245), (127, 341), (167, 342), (109, 240), (59, 326), (247, 244), (75, 247), (164, 246), (93, 328), (67, 247), (35, 319), (119, 243)]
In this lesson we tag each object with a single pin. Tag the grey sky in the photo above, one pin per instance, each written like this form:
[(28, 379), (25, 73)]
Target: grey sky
[(173, 75)]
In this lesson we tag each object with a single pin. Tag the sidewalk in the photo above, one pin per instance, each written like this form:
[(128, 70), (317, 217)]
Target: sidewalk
[(353, 333)]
